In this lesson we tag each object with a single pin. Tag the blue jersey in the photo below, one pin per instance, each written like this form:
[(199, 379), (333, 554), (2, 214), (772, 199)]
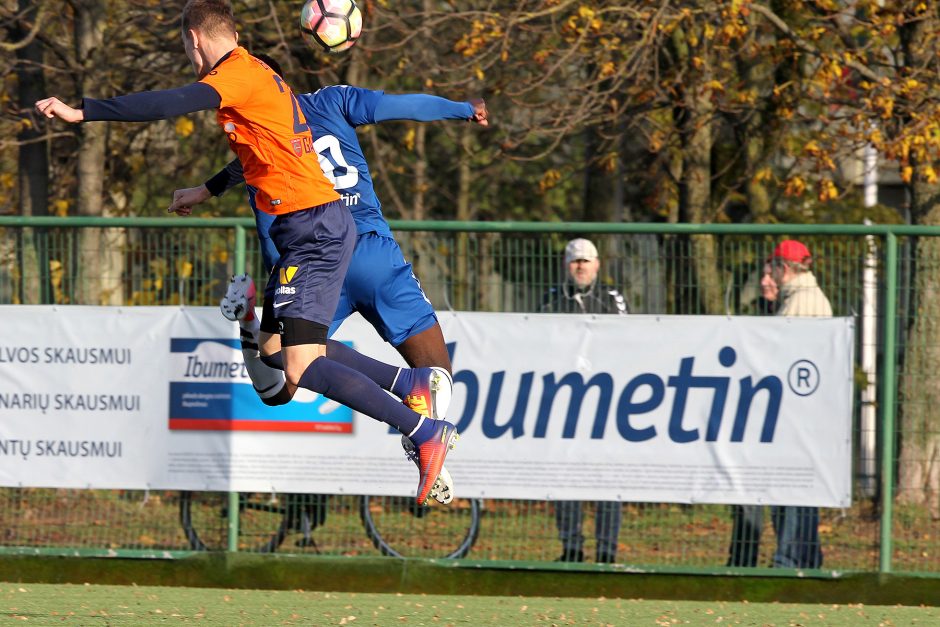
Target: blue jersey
[(333, 113)]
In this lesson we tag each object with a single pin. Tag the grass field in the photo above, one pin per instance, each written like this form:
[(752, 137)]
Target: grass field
[(91, 605)]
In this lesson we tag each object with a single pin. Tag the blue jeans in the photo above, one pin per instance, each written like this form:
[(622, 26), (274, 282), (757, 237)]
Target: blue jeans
[(797, 530), (569, 517)]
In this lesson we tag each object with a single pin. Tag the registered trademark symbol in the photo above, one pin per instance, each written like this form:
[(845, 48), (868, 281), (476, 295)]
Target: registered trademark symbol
[(803, 377)]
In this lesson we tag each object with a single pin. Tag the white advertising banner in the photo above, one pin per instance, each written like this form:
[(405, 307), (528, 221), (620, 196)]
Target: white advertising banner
[(635, 408)]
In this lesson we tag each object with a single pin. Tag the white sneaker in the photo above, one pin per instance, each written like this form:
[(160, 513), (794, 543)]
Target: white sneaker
[(443, 489), (239, 299)]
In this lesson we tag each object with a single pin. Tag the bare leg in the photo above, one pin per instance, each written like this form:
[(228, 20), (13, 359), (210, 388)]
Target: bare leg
[(426, 349)]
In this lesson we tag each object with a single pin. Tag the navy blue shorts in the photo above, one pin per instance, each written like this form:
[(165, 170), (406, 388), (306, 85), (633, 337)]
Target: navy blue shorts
[(382, 287), (316, 245)]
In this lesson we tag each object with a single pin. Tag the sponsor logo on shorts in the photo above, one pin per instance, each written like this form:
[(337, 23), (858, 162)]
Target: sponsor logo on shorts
[(287, 274)]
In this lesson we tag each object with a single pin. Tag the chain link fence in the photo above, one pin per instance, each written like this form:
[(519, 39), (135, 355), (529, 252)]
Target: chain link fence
[(881, 275)]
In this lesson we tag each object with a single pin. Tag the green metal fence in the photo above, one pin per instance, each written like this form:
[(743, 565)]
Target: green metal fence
[(891, 526)]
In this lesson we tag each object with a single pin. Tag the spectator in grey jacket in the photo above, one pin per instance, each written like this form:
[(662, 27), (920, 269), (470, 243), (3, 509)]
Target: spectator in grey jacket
[(581, 293)]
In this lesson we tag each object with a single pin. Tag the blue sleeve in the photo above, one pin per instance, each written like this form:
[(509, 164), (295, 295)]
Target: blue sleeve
[(421, 107), (226, 178), (147, 106)]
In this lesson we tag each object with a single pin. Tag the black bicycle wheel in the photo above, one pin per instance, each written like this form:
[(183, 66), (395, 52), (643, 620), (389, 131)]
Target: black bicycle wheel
[(262, 524), (399, 527)]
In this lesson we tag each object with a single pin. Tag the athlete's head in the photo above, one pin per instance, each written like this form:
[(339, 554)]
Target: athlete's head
[(582, 262), (208, 30)]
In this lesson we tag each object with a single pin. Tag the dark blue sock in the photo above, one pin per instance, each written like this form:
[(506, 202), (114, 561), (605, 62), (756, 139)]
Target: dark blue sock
[(273, 361), (355, 390), (382, 373), (405, 382)]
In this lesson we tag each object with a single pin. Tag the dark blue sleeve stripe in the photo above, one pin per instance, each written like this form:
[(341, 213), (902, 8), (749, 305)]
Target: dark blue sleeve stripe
[(227, 178), (421, 108), (147, 106)]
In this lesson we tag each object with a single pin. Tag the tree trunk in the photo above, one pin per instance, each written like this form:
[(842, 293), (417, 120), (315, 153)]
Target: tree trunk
[(695, 195), (461, 269), (33, 169), (100, 257), (919, 463)]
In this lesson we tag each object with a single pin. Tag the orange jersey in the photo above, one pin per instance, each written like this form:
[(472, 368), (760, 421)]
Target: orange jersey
[(268, 132)]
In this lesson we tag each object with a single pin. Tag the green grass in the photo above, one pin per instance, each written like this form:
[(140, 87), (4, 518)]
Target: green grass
[(90, 605)]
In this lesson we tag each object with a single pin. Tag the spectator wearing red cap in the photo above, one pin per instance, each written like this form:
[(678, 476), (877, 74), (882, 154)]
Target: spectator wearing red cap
[(788, 281), (800, 294)]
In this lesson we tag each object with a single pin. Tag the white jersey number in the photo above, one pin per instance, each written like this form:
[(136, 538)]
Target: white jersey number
[(331, 158)]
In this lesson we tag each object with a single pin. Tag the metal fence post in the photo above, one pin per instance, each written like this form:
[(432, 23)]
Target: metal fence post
[(889, 402), (239, 267)]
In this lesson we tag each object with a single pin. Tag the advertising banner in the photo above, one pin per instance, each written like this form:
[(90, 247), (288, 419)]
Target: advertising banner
[(550, 406)]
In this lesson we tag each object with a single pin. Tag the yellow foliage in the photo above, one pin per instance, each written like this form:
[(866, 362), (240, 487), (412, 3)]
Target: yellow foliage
[(478, 72), (540, 56), (827, 190), (762, 175), (930, 175), (184, 268), (906, 173), (656, 141), (429, 83), (184, 127), (410, 139), (60, 207), (715, 85), (795, 186), (608, 69), (549, 180)]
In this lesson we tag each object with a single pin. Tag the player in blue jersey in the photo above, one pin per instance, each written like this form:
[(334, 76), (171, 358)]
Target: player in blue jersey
[(379, 284)]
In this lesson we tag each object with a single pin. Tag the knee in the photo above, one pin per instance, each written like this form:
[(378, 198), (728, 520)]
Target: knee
[(294, 372), (282, 397)]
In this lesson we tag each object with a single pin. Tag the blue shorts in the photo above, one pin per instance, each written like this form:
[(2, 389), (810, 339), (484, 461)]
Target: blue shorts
[(382, 287), (316, 246)]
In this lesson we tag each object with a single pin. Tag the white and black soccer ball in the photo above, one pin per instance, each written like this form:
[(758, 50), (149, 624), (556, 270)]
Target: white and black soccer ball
[(331, 25)]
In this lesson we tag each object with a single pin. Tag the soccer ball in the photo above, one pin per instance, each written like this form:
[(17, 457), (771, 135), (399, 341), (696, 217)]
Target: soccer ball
[(332, 25)]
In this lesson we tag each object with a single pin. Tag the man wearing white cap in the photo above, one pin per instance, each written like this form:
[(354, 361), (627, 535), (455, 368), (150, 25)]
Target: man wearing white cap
[(580, 293)]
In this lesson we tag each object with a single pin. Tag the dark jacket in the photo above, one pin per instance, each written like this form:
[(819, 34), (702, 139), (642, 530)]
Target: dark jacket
[(594, 299)]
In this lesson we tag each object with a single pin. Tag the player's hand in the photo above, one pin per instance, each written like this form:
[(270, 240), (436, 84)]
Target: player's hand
[(55, 108), (185, 199), (479, 112)]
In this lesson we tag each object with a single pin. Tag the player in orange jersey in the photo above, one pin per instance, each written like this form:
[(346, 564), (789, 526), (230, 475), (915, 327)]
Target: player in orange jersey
[(312, 229)]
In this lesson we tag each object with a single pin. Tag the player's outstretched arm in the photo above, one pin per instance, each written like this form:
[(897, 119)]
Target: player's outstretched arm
[(55, 108), (427, 108), (144, 106), (185, 199)]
